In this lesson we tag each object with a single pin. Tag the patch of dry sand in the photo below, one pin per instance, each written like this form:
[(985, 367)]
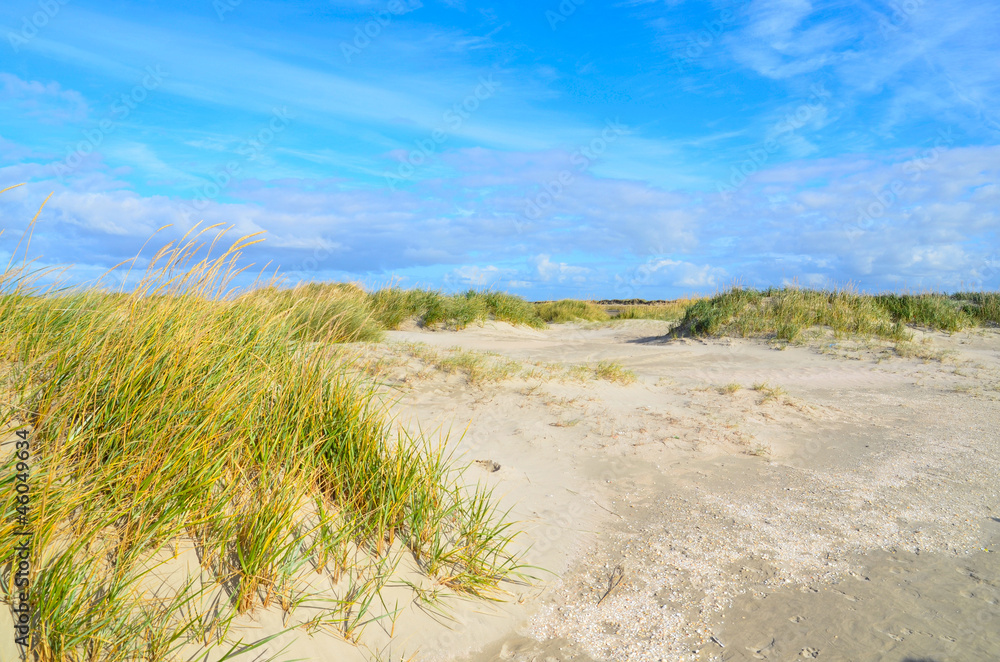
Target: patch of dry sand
[(840, 519)]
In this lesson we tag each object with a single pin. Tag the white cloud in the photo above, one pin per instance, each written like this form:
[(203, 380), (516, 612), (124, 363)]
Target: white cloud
[(49, 102), (668, 273), (560, 272), (474, 276)]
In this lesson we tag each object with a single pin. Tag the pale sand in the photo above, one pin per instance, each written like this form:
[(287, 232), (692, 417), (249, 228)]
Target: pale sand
[(859, 537), (856, 532)]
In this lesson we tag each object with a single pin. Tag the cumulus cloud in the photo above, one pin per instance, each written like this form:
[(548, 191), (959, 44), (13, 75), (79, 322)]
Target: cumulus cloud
[(669, 275), (474, 276), (546, 270), (49, 102)]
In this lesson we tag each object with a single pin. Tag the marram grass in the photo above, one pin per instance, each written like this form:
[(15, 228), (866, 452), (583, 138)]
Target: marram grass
[(177, 412), (784, 313), (364, 315), (571, 310)]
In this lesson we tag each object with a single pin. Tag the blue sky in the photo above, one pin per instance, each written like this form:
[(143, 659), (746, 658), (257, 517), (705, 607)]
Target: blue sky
[(610, 150)]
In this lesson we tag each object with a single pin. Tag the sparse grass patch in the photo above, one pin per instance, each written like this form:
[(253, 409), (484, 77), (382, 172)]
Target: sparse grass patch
[(613, 371), (917, 350), (480, 367), (730, 388), (769, 392)]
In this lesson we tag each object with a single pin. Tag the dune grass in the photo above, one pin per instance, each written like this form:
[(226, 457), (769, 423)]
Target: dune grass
[(570, 310), (671, 311), (178, 412), (784, 313), (336, 312), (943, 312), (359, 315), (393, 306)]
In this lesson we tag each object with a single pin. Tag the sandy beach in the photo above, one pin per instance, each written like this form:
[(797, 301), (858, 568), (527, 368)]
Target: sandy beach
[(678, 499), (845, 509)]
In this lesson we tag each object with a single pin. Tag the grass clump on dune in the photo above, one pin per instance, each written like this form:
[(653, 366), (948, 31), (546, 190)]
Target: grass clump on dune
[(942, 311), (927, 310), (613, 371), (393, 306), (363, 316), (671, 311), (570, 310), (983, 307), (336, 312), (784, 313), (574, 310), (176, 414)]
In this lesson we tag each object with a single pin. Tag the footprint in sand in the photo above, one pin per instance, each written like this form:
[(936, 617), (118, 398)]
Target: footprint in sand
[(809, 651)]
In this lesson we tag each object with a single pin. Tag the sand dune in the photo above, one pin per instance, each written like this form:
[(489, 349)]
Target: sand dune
[(840, 511)]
